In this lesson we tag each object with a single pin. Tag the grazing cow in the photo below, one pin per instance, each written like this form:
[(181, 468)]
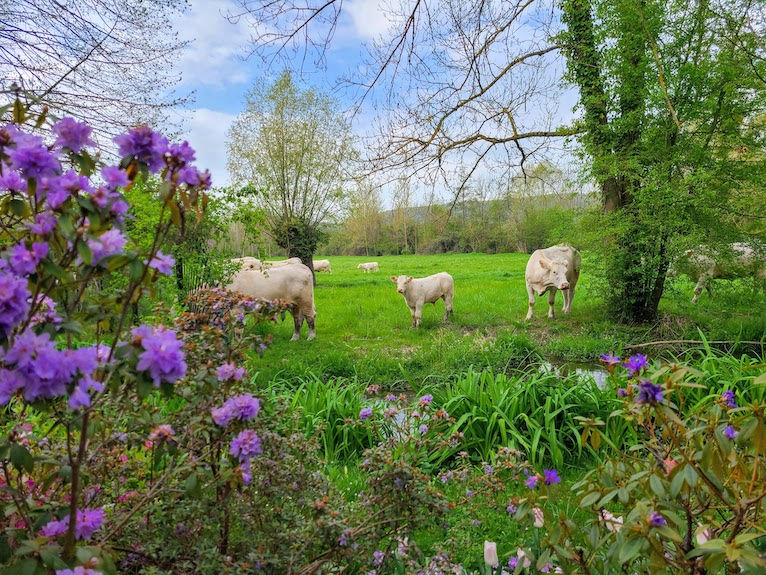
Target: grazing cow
[(248, 262), (729, 262), (549, 270), (421, 291), (368, 267), (292, 283), (322, 266)]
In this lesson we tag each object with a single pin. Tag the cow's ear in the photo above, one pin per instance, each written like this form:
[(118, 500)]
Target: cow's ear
[(393, 279), (544, 265), (409, 279)]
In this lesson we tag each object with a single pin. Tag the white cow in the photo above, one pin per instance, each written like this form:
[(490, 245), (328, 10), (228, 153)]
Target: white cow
[(280, 263), (322, 266), (248, 262), (368, 267), (730, 262), (292, 283), (549, 270), (418, 292)]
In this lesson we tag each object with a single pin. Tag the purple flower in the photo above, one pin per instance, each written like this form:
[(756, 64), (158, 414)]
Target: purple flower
[(14, 303), (13, 182), (610, 360), (245, 445), (468, 493), (512, 562), (60, 188), (162, 432), (390, 397), (223, 415), (635, 363), (162, 356), (378, 557), (23, 261), (488, 470), (87, 522), (657, 520), (551, 476), (33, 159), (728, 399), (245, 406), (229, 371), (10, 383), (365, 413), (622, 392), (72, 134), (181, 153), (511, 509), (114, 177), (423, 429), (44, 370), (531, 481), (143, 145), (426, 399), (730, 432), (162, 263), (648, 393), (107, 244), (44, 225)]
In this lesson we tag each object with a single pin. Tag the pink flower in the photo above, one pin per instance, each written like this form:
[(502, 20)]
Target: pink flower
[(669, 464), (490, 554), (539, 517)]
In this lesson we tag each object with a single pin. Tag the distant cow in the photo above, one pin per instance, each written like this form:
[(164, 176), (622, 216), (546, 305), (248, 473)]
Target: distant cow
[(322, 266), (418, 292), (730, 262), (368, 267), (293, 283), (549, 270)]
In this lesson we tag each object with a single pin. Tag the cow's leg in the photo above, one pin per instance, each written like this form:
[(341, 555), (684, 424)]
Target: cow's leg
[(447, 307), (531, 294), (702, 283), (311, 321), (412, 315), (551, 301), (417, 313), (298, 322), (568, 297)]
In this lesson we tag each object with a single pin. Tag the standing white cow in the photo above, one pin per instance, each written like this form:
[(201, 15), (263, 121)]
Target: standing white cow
[(293, 283), (728, 262), (418, 292), (551, 269), (322, 266), (368, 267)]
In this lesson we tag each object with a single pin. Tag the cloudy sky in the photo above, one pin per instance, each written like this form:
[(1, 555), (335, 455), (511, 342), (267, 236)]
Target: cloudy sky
[(215, 69)]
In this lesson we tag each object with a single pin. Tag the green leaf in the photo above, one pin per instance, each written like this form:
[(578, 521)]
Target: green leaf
[(83, 250), (21, 458), (657, 487), (19, 208), (136, 270), (193, 486), (630, 550)]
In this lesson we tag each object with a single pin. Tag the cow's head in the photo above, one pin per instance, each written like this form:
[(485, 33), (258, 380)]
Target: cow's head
[(557, 273), (401, 282)]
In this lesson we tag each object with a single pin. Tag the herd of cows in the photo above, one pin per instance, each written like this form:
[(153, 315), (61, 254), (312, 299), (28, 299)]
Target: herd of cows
[(548, 271)]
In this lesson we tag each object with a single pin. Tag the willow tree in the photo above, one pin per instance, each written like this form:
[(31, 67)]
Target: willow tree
[(670, 101), (293, 150)]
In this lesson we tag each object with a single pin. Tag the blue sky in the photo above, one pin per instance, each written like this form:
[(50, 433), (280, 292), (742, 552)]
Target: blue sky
[(214, 68)]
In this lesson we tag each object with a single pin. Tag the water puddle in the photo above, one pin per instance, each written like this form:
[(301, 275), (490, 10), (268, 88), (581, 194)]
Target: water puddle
[(575, 370)]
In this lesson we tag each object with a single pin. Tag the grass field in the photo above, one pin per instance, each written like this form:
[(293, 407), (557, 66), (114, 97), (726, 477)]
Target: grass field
[(363, 324)]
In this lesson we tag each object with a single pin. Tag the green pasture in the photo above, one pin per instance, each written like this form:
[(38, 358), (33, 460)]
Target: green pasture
[(363, 324)]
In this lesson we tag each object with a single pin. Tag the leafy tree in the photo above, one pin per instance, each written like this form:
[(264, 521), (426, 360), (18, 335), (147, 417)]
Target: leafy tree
[(108, 62), (293, 148)]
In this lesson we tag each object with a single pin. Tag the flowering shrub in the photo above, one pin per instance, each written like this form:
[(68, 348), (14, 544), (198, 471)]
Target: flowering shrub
[(687, 499)]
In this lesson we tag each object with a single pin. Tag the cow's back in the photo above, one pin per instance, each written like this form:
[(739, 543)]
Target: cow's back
[(293, 283)]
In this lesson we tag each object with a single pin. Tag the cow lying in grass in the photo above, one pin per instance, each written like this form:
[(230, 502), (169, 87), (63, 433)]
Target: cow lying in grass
[(418, 292)]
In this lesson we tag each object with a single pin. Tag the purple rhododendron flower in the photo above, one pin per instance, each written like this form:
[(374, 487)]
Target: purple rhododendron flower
[(107, 244), (14, 303), (162, 263), (222, 415), (10, 383), (245, 406), (144, 145), (162, 356), (728, 399), (32, 158), (648, 393), (181, 153), (23, 261), (365, 413), (88, 521), (114, 177), (635, 363), (44, 369), (245, 445), (13, 182), (44, 225), (730, 432), (657, 520), (229, 371), (512, 562), (622, 392), (551, 476), (60, 188), (72, 134)]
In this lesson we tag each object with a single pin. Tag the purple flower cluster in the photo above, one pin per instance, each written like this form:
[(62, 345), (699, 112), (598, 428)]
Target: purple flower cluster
[(107, 244), (145, 146), (162, 356), (72, 134), (243, 447), (40, 371), (648, 393), (635, 364), (87, 522), (728, 399), (365, 413), (14, 301), (610, 360), (23, 261), (243, 407), (730, 432), (426, 399), (657, 520), (162, 263), (228, 371), (551, 476)]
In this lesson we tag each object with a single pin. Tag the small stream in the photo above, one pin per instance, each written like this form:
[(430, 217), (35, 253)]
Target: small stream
[(575, 370)]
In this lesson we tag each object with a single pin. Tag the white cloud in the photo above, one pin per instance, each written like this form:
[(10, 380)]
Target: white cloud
[(213, 57), (206, 133), (368, 18)]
